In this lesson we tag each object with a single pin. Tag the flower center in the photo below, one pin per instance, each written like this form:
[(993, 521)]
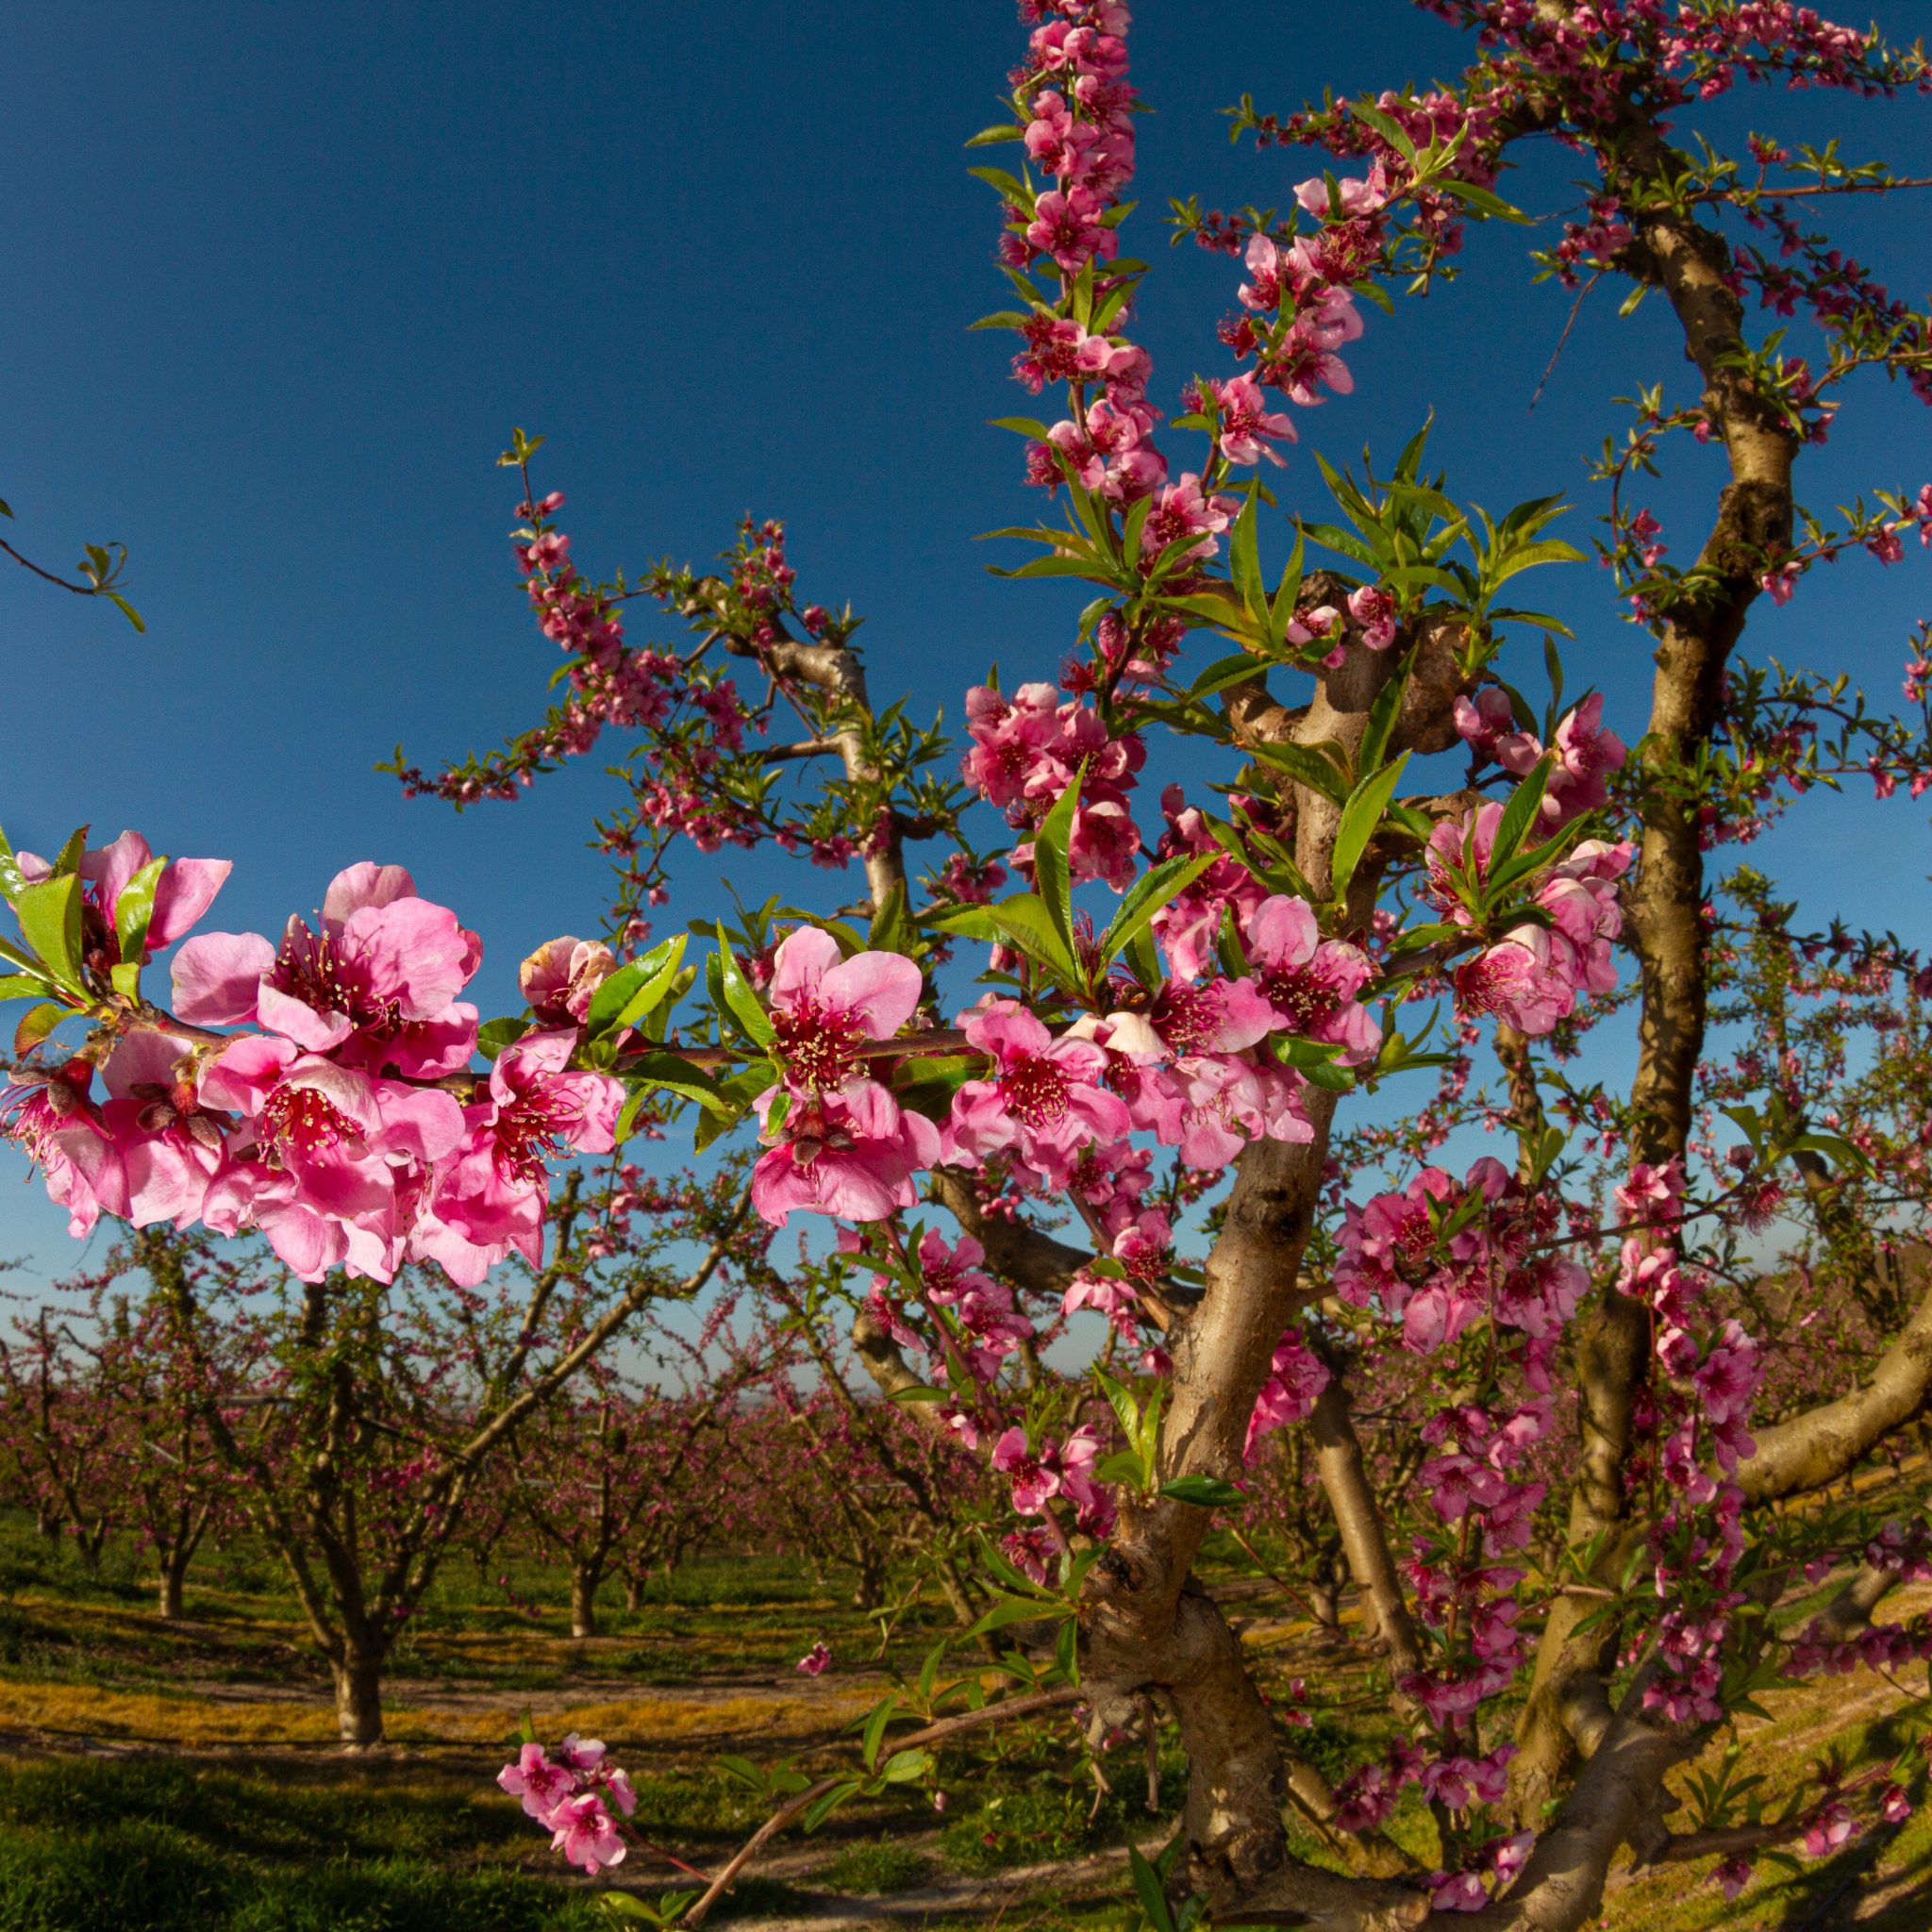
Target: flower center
[(1305, 998), (819, 1048), (309, 968), (1188, 1017), (1034, 1090), (302, 1121), (532, 1130)]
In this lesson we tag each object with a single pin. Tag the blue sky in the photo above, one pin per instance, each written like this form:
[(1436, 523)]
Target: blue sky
[(283, 277)]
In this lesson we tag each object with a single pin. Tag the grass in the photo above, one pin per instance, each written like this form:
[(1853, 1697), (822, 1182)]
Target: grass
[(112, 1847), (178, 1775)]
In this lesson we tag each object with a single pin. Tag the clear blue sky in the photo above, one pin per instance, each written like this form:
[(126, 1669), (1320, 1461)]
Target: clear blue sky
[(280, 278)]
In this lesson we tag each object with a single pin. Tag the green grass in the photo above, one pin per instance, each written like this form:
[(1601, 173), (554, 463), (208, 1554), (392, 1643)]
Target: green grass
[(152, 1847), (311, 1842), (876, 1865)]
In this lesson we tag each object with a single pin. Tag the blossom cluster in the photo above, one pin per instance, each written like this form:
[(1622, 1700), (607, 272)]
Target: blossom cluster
[(340, 1122), (1586, 755), (578, 1797), (1533, 976), (1027, 749), (1446, 1259)]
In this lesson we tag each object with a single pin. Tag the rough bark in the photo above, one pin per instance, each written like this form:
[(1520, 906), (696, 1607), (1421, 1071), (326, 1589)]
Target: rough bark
[(1663, 901), (584, 1579), (357, 1672), (1358, 1517), (1144, 1627), (1816, 1448)]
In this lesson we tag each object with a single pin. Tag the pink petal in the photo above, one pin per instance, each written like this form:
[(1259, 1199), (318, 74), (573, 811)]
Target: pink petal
[(294, 1018), (185, 891), (803, 959), (244, 1073), (218, 976), (417, 954), (367, 884), (111, 867), (881, 988)]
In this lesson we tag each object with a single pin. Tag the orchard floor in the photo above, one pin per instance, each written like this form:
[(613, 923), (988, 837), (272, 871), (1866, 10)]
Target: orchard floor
[(157, 1777)]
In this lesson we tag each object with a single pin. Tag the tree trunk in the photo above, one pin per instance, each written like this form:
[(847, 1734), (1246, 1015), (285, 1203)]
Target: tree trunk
[(173, 1575), (633, 1595), (359, 1698), (584, 1579)]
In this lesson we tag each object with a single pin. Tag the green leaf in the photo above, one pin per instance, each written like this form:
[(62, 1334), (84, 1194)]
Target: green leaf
[(1010, 1609), (1156, 887), (1203, 1492), (875, 1729), (1152, 1899), (635, 990), (1019, 426), (1305, 767), (824, 1808), (991, 137), (968, 921), (891, 929), (69, 858), (1052, 874), (127, 611), (1520, 814), (1026, 922), (1550, 550), (134, 906), (35, 1024), (1235, 669), (11, 878), (494, 1035), (906, 1767), (926, 1082), (923, 1391), (739, 995), (49, 915), (1387, 126), (1287, 594), (1359, 818), (677, 1076), (22, 986), (1382, 716), (1245, 562), (1484, 202)]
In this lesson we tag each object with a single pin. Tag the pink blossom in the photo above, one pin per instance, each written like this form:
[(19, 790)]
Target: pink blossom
[(375, 987), (1373, 608), (1357, 198), (1833, 1826), (183, 892), (822, 1005), (1296, 1377), (1733, 1874), (1310, 982), (1043, 1103), (541, 1785), (586, 1833), (488, 1195), (582, 1754), (1182, 510), (1247, 425), (55, 1122), (560, 980), (170, 1146), (1066, 226), (813, 1664), (851, 1152)]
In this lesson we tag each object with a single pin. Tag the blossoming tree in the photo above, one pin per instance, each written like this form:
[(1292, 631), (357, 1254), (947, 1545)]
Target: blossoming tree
[(1017, 1082)]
